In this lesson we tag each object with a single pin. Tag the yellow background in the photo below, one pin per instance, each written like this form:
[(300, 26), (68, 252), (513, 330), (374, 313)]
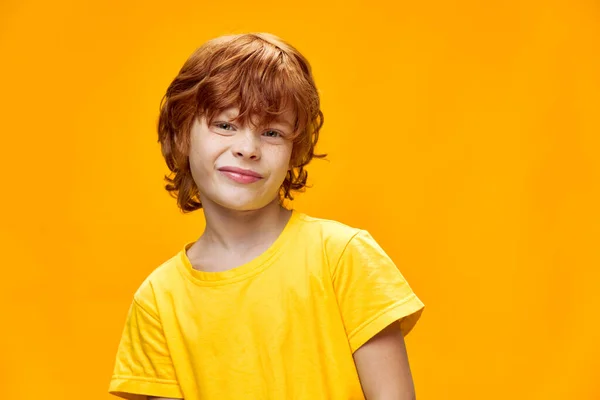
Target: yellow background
[(463, 135)]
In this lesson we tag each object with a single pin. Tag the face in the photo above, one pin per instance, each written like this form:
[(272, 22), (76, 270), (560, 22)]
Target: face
[(239, 167)]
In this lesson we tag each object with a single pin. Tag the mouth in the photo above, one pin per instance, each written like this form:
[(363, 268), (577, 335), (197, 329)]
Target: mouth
[(241, 175)]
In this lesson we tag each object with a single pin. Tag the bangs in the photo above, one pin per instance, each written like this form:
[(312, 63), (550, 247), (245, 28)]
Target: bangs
[(262, 82)]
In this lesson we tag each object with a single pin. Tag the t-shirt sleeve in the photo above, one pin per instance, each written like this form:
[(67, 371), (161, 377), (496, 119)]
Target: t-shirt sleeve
[(371, 291), (143, 364)]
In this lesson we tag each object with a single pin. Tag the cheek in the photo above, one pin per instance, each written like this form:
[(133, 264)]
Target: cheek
[(282, 153), (288, 156), (282, 161), (203, 153), (196, 158), (287, 149)]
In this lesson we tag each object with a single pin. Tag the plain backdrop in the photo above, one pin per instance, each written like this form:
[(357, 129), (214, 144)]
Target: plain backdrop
[(463, 135)]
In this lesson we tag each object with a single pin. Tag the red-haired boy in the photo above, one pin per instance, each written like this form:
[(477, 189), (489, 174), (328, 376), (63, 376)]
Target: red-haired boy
[(268, 303)]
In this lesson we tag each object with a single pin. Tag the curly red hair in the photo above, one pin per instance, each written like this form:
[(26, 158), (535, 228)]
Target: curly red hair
[(259, 74)]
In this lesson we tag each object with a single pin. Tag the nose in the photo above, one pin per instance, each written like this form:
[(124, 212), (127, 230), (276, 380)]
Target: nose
[(246, 145)]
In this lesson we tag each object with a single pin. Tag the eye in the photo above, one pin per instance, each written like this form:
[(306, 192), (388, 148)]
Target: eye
[(224, 125), (272, 134)]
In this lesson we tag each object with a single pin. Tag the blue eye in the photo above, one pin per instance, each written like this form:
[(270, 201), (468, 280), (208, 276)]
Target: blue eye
[(272, 133)]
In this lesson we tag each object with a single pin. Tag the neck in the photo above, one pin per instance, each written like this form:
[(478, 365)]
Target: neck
[(233, 230)]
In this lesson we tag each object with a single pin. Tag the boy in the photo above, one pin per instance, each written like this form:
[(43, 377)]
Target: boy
[(268, 303)]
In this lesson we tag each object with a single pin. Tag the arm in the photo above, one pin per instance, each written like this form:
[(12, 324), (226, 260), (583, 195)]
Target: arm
[(382, 365)]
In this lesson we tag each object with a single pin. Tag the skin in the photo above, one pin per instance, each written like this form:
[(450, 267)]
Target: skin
[(383, 367), (243, 220)]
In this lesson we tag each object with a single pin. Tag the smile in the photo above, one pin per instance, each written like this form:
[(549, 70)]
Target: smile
[(240, 177)]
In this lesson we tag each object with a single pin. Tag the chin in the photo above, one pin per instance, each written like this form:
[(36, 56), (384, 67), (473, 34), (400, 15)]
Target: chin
[(242, 205), (241, 200)]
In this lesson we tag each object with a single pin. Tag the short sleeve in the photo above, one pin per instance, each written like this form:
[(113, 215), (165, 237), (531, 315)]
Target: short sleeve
[(143, 364), (371, 291)]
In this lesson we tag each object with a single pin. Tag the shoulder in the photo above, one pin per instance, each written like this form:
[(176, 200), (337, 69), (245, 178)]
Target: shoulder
[(346, 244), (332, 235), (157, 282), (328, 229)]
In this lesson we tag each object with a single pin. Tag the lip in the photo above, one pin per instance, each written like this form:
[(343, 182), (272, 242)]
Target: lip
[(241, 171), (240, 175)]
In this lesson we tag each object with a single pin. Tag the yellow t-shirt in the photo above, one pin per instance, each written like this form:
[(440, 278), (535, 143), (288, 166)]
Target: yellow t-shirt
[(282, 326)]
